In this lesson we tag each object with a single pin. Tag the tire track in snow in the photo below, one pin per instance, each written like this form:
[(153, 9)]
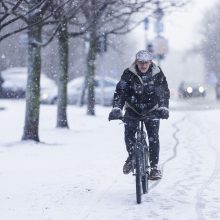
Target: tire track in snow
[(173, 156), (199, 196), (90, 210)]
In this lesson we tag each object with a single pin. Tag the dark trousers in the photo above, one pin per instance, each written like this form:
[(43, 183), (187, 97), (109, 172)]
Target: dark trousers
[(152, 127)]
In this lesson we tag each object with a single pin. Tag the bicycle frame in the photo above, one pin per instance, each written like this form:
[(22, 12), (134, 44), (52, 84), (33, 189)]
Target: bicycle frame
[(140, 156), (140, 161)]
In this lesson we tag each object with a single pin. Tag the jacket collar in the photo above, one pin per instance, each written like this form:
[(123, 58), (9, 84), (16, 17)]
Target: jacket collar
[(154, 67)]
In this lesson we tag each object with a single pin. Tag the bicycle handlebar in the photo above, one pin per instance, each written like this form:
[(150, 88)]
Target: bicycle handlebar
[(142, 118)]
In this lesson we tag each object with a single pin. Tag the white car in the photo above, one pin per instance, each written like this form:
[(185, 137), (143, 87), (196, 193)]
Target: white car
[(15, 80), (104, 91)]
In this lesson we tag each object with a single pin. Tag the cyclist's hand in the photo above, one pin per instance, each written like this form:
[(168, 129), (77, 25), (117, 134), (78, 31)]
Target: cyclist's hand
[(163, 112), (115, 114)]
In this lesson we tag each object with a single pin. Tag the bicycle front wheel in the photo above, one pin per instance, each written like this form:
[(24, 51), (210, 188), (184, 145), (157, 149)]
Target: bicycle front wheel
[(145, 177), (138, 177)]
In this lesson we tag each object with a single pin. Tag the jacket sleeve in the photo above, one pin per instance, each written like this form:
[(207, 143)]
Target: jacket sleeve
[(122, 90), (162, 90)]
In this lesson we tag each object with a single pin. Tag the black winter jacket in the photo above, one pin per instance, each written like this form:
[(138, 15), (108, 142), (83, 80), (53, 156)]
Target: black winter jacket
[(142, 93)]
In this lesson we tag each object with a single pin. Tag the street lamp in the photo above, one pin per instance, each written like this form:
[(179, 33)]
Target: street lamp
[(160, 44)]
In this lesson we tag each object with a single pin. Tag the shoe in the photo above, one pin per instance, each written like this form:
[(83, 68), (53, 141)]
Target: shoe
[(155, 174), (127, 166)]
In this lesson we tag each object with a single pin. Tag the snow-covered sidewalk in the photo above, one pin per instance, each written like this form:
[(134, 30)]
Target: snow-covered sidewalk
[(76, 174)]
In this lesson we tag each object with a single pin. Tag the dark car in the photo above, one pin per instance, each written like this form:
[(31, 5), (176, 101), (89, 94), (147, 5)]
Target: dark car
[(1, 81), (217, 89), (191, 89)]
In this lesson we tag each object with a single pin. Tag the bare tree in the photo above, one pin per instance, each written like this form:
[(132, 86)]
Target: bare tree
[(62, 19), (31, 125), (61, 11), (211, 43), (34, 14), (7, 15), (12, 12)]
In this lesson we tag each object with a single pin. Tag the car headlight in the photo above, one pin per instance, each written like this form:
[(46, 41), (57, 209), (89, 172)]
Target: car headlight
[(201, 89), (189, 89), (44, 96)]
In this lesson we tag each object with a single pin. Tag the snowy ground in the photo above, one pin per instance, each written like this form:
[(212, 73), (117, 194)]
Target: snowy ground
[(76, 174)]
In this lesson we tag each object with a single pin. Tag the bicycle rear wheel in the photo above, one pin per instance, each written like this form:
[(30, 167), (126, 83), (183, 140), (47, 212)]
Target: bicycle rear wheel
[(138, 177), (144, 184)]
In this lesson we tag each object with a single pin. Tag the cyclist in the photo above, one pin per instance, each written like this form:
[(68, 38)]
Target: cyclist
[(143, 90)]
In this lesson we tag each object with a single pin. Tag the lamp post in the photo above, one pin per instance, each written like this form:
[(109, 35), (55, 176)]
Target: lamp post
[(159, 28), (159, 45)]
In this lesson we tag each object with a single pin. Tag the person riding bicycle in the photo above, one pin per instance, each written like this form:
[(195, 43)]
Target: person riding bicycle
[(142, 90)]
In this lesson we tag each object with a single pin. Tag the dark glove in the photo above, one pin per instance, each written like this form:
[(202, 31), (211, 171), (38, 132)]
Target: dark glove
[(115, 114), (163, 112)]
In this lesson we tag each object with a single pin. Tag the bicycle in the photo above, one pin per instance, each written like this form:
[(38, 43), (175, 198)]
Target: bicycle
[(140, 155), (140, 159)]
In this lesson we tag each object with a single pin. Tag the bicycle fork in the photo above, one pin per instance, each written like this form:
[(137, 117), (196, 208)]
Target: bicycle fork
[(142, 150)]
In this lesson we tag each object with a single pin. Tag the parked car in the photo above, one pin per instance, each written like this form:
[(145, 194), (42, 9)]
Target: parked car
[(49, 95), (191, 89), (104, 90), (15, 80)]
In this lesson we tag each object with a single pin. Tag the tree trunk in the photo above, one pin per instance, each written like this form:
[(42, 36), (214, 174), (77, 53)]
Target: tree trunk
[(62, 77), (82, 97), (91, 73), (31, 125)]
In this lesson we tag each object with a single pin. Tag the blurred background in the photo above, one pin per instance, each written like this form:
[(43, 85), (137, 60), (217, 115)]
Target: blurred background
[(184, 29), (74, 52)]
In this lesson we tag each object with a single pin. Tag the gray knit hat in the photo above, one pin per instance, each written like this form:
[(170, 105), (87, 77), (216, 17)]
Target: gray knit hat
[(144, 56)]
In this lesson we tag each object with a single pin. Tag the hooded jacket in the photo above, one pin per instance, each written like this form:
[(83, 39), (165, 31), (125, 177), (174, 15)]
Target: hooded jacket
[(142, 92)]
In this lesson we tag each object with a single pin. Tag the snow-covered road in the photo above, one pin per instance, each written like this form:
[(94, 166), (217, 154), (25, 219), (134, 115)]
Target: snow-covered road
[(76, 174)]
